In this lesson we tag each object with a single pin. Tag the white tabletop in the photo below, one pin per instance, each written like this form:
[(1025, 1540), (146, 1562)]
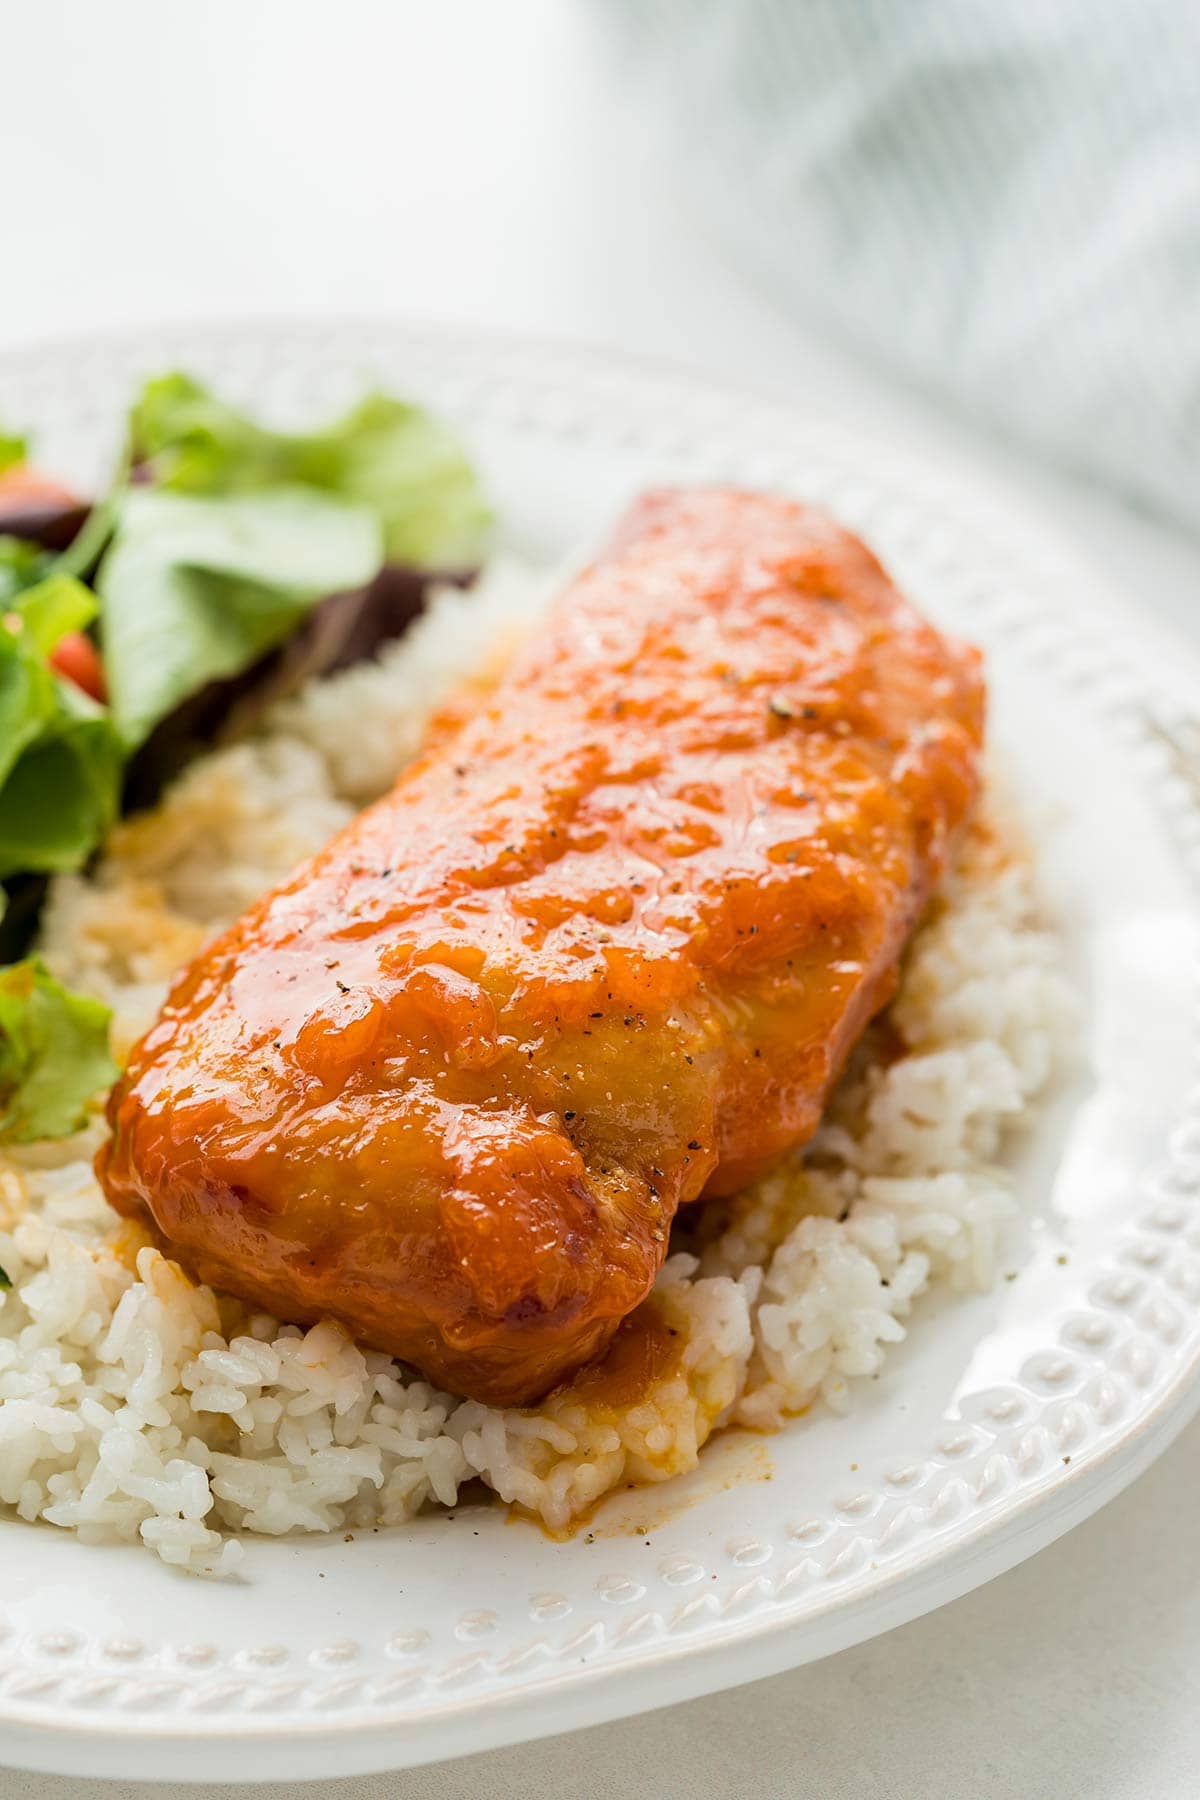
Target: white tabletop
[(486, 163)]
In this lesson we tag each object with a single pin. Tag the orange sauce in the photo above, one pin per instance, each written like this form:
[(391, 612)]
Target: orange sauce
[(130, 1236), (644, 1351), (732, 1458)]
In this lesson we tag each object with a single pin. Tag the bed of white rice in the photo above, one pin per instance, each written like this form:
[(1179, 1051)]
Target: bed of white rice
[(135, 1405)]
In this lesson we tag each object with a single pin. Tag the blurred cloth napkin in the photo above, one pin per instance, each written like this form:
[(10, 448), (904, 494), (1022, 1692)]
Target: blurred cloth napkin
[(1002, 196)]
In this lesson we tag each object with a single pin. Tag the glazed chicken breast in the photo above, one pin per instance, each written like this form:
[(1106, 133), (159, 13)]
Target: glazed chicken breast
[(603, 950)]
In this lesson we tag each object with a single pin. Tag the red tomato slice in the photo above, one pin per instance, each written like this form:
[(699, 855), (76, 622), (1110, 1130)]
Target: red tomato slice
[(76, 659), (21, 485)]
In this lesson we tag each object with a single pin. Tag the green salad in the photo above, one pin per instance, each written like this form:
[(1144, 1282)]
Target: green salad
[(227, 562)]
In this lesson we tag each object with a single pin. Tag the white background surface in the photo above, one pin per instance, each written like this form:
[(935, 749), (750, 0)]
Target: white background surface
[(485, 163)]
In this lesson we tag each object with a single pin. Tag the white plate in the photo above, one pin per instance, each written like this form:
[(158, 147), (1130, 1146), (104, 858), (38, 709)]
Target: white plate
[(1002, 1422)]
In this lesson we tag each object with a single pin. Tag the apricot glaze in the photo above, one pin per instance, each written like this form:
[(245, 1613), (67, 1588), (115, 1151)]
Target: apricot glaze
[(601, 952)]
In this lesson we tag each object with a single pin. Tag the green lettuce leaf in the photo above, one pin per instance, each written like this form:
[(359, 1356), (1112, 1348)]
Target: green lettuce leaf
[(12, 450), (54, 1054), (194, 589), (61, 798), (21, 564), (54, 606), (386, 454), (60, 758)]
